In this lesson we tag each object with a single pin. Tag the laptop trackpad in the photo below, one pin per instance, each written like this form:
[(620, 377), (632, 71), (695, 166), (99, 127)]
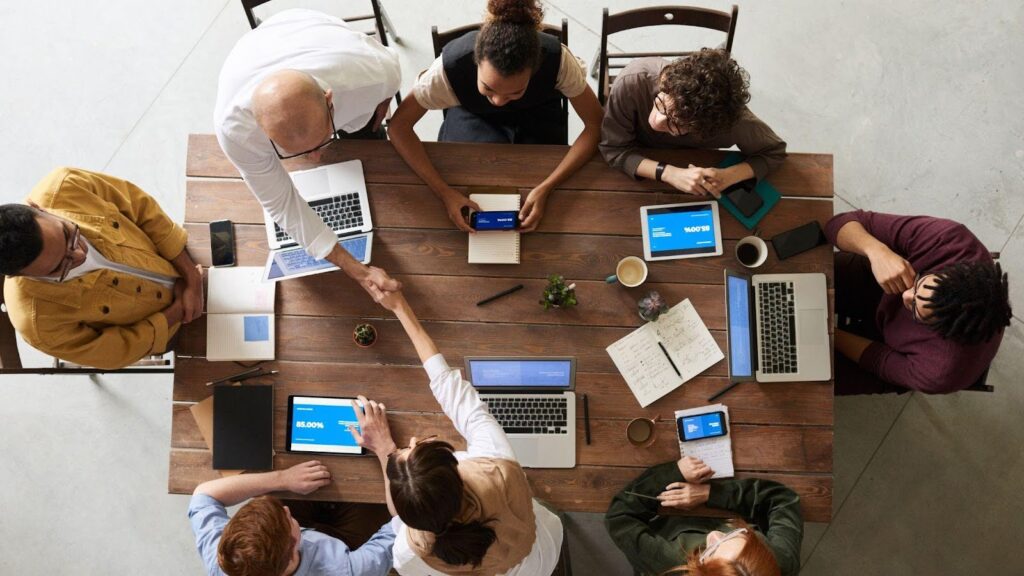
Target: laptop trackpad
[(811, 329)]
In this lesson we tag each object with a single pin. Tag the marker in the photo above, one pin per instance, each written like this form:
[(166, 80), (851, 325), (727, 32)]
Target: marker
[(586, 417), (723, 391), (662, 346), (515, 288)]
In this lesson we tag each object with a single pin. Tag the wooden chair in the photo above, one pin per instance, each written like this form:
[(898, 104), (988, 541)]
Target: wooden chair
[(382, 23), (655, 16), (441, 39)]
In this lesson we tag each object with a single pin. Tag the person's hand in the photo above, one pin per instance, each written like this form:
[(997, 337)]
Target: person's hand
[(716, 180), (533, 209), (377, 283), (374, 433), (694, 470), (684, 496), (690, 180), (892, 272), (392, 300), (454, 203), (306, 477), (191, 295)]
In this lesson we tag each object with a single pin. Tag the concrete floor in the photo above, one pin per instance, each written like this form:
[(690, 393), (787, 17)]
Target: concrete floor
[(919, 106)]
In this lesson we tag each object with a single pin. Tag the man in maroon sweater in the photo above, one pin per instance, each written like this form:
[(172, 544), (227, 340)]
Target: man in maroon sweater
[(921, 304)]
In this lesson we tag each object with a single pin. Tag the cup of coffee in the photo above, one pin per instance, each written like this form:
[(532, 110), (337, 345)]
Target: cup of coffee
[(751, 251), (630, 272), (640, 432)]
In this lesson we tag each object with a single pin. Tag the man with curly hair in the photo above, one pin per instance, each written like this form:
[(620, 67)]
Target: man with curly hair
[(695, 102), (920, 302)]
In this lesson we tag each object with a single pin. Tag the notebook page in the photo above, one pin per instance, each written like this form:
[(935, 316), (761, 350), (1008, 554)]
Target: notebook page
[(715, 452), (495, 247), (239, 290)]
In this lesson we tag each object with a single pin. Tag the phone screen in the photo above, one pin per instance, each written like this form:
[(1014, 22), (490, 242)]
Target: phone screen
[(222, 243), (701, 426), (501, 220)]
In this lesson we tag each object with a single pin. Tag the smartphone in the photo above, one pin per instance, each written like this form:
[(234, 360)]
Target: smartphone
[(700, 426), (744, 197), (498, 220), (222, 243), (799, 239)]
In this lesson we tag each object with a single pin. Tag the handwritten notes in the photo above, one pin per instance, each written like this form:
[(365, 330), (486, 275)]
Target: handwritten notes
[(644, 366), (715, 452)]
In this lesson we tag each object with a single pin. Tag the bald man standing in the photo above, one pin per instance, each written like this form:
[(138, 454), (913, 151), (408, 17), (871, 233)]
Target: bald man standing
[(289, 88)]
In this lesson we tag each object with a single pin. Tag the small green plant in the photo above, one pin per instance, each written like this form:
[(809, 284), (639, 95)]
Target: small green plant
[(651, 306), (557, 294), (364, 335)]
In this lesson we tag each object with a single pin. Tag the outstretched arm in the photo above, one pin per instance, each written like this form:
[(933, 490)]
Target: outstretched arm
[(300, 479)]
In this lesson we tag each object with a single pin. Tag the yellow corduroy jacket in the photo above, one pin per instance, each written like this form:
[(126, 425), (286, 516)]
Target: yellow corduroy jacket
[(105, 318)]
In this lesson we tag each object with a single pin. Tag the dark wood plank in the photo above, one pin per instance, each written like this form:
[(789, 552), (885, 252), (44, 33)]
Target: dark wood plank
[(512, 165), (405, 388)]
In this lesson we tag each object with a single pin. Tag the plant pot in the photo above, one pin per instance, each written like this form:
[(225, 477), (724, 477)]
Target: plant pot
[(376, 336)]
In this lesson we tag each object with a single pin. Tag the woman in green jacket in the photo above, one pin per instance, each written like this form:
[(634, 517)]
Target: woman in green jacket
[(659, 545)]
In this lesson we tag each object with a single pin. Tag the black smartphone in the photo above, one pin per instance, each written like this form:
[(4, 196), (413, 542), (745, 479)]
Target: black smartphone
[(222, 243), (799, 239), (744, 196), (496, 220), (701, 426)]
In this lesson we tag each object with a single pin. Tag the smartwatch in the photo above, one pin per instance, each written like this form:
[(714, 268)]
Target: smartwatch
[(659, 171)]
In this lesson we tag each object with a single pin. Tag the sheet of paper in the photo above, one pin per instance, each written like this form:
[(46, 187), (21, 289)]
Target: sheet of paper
[(239, 290), (644, 365), (239, 337), (715, 452), (495, 247)]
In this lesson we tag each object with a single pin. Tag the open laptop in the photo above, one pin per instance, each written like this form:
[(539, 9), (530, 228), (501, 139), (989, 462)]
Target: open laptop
[(778, 327), (533, 400)]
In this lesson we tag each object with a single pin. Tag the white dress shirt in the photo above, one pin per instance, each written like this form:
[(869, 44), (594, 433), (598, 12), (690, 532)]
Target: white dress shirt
[(360, 71), (484, 439)]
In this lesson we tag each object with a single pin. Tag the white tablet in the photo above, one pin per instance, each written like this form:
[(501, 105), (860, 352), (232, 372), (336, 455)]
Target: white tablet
[(681, 230), (319, 425), (293, 262)]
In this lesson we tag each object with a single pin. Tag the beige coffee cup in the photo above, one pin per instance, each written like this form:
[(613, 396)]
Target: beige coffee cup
[(630, 272), (751, 251), (640, 431)]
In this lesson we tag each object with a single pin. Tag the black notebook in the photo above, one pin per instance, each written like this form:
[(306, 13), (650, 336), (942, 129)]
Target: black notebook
[(243, 428)]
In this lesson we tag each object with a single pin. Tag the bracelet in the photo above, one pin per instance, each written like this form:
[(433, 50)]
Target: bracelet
[(659, 171)]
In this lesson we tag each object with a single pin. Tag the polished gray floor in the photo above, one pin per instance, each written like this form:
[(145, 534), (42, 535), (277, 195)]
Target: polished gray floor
[(919, 105)]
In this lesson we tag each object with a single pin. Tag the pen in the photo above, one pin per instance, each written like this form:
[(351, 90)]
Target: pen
[(723, 390), (586, 417), (662, 346), (257, 375), (641, 495), (229, 378), (515, 288)]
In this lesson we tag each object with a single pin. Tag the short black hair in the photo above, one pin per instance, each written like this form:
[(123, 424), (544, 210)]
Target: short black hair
[(970, 302), (21, 239)]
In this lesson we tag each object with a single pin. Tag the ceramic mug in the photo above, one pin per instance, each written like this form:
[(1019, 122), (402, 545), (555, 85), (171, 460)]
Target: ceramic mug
[(640, 431), (630, 272), (751, 251)]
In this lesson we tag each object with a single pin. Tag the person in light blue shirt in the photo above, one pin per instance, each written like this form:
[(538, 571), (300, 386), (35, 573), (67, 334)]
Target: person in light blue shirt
[(264, 538)]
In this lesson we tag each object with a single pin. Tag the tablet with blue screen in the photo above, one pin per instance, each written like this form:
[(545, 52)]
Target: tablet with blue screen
[(674, 231), (293, 262), (319, 425)]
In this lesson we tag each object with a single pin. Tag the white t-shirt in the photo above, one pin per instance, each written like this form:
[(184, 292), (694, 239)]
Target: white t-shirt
[(360, 71)]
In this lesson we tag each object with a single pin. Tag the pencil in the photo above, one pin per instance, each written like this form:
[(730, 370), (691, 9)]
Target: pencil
[(235, 376), (723, 391), (662, 346), (515, 288)]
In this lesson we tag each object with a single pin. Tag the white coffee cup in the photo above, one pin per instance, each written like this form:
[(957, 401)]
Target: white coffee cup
[(745, 256), (630, 272)]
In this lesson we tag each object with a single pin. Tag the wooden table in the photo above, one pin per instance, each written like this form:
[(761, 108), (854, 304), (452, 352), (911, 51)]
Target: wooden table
[(780, 431)]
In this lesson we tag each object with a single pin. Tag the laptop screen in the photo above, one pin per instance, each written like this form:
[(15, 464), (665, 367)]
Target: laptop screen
[(740, 343), (549, 373), (294, 262)]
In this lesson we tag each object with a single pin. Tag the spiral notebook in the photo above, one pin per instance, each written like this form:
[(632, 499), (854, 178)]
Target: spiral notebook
[(495, 247)]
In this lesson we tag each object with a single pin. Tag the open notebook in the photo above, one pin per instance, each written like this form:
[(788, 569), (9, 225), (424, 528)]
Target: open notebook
[(495, 247), (239, 315), (715, 452)]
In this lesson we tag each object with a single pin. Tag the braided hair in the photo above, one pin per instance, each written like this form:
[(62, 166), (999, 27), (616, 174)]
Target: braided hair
[(970, 302)]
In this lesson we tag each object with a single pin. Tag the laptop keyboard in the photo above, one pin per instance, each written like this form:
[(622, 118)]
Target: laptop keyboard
[(529, 414), (777, 323), (340, 213)]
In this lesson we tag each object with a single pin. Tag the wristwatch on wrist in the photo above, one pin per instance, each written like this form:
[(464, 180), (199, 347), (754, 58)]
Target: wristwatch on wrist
[(659, 171)]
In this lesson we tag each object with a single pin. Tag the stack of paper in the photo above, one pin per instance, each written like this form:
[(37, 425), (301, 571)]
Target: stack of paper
[(715, 452), (495, 246), (239, 315)]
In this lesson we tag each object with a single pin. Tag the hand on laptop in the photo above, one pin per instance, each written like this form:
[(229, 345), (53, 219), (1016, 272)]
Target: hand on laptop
[(455, 203), (374, 434), (892, 272), (684, 496), (306, 477), (694, 470)]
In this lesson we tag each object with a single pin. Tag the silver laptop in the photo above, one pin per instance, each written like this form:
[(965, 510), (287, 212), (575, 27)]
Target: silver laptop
[(337, 193), (778, 327), (533, 400)]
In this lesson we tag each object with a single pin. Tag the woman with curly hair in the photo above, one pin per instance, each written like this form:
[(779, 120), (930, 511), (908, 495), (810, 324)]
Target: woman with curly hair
[(503, 84), (699, 101)]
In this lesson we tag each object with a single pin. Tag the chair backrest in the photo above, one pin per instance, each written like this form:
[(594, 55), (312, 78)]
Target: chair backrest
[(655, 16), (376, 16)]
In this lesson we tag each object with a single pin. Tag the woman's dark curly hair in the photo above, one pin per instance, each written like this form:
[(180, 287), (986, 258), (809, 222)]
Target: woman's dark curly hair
[(970, 302), (508, 38), (708, 91)]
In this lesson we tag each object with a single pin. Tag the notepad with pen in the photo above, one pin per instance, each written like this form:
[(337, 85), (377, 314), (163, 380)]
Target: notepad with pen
[(494, 247)]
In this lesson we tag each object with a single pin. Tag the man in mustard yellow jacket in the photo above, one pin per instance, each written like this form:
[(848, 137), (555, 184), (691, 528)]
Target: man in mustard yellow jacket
[(97, 273)]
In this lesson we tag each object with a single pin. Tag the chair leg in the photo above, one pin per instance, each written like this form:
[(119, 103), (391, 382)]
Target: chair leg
[(389, 27)]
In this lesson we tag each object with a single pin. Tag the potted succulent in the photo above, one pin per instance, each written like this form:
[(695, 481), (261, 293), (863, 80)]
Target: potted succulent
[(364, 335), (651, 306), (557, 294)]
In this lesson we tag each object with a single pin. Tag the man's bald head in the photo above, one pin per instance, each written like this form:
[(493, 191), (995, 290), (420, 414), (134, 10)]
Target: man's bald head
[(292, 110)]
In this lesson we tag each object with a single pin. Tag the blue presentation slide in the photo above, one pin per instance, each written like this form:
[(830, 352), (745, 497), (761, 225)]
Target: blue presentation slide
[(739, 327), (702, 426), (295, 260), (321, 425), (532, 373), (677, 231)]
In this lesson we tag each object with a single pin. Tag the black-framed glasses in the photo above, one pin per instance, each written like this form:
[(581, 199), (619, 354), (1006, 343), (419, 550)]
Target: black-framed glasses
[(662, 108), (69, 252), (334, 136)]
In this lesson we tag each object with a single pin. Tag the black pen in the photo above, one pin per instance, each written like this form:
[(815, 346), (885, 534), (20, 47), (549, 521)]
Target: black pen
[(257, 375), (586, 417), (723, 390), (500, 294), (236, 376), (662, 346), (641, 495)]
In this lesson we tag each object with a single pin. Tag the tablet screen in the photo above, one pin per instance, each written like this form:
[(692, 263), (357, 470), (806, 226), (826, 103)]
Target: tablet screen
[(320, 424), (682, 230)]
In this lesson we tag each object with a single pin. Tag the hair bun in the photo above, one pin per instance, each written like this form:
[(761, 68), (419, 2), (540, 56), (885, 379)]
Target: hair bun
[(516, 11)]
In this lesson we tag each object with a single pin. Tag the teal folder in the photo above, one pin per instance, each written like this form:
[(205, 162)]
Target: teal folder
[(769, 195)]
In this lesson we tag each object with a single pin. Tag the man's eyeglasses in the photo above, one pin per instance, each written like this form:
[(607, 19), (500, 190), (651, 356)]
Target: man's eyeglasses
[(334, 136), (69, 252), (662, 108), (710, 550)]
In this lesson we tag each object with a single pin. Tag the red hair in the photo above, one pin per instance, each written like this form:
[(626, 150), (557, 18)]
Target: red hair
[(257, 541), (755, 559)]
